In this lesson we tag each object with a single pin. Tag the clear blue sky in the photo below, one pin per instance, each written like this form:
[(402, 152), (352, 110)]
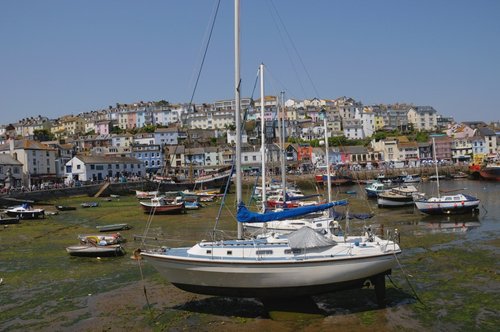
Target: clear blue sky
[(59, 57)]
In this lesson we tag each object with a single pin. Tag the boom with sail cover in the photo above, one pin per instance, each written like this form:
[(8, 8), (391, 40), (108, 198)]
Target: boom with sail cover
[(246, 216)]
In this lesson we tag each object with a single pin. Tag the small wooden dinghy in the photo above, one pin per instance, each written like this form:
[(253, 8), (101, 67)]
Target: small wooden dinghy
[(96, 251)]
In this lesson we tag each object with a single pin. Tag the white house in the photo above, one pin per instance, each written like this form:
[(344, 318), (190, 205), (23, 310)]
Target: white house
[(39, 160), (367, 118), (353, 129), (97, 168)]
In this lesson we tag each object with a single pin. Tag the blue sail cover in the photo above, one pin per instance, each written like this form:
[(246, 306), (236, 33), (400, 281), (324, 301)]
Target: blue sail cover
[(244, 215)]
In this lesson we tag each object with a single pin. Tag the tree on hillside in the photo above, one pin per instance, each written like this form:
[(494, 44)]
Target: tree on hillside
[(117, 130), (422, 136), (147, 129), (43, 135)]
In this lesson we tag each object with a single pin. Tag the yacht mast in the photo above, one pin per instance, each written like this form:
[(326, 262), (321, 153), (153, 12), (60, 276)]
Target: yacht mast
[(282, 141), (436, 165), (237, 81), (327, 156), (262, 139)]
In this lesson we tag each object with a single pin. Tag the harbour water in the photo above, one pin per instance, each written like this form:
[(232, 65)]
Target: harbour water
[(448, 279)]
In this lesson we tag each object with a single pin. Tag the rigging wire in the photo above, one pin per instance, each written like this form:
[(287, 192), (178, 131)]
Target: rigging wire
[(276, 12), (288, 53), (205, 53)]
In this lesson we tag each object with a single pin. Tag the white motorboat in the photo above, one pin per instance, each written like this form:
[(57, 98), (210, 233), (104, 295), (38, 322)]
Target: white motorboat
[(25, 211)]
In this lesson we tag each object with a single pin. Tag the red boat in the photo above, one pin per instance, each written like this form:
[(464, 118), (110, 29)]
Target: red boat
[(491, 172), (159, 205)]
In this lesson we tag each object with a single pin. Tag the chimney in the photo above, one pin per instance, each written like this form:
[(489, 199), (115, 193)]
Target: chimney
[(11, 146)]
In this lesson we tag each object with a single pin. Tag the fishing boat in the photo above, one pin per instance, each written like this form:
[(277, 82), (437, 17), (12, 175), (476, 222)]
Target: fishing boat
[(216, 179), (159, 205), (25, 211), (273, 265), (447, 204), (491, 171), (403, 195), (87, 250), (113, 227)]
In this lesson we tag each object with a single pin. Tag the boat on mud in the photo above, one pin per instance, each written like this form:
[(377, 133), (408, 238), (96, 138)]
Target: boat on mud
[(8, 220), (159, 205), (65, 208), (113, 227), (88, 250), (89, 204), (25, 211)]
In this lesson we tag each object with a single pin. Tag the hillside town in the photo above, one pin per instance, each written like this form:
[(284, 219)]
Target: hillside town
[(140, 140)]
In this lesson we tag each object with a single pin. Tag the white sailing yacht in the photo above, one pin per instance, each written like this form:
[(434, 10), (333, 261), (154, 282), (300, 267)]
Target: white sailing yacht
[(302, 263), (446, 204)]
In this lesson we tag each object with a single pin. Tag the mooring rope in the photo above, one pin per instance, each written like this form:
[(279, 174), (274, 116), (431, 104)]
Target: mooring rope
[(144, 286), (415, 295)]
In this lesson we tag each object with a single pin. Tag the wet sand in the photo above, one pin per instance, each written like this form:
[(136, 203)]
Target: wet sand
[(453, 265)]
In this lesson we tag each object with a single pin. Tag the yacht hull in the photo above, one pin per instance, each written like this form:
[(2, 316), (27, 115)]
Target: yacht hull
[(438, 208), (273, 279), (394, 201)]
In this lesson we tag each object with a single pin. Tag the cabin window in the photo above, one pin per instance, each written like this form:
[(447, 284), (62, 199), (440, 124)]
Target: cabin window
[(264, 252), (209, 252), (229, 253), (292, 251)]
